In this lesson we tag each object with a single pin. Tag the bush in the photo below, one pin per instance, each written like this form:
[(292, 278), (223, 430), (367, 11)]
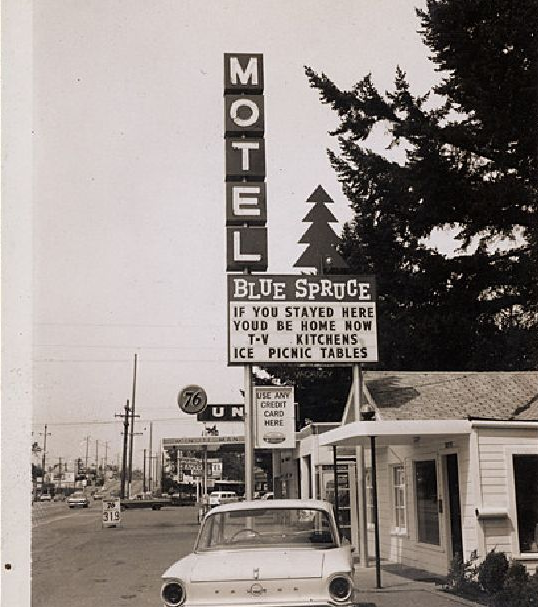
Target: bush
[(461, 576), (520, 590), (492, 572)]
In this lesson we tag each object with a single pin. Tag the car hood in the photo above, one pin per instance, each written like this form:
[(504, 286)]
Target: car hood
[(233, 565)]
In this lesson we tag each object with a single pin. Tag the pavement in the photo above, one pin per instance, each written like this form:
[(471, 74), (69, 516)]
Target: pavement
[(403, 587)]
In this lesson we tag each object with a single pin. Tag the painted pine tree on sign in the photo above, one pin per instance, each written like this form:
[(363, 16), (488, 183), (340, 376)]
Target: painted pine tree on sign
[(321, 239)]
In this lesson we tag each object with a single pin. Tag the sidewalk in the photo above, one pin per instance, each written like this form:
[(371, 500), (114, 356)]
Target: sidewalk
[(402, 587)]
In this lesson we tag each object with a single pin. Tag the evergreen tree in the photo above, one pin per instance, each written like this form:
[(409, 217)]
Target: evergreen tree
[(471, 163), (322, 241)]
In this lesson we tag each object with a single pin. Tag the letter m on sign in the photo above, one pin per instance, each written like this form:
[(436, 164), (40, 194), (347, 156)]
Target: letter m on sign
[(243, 72)]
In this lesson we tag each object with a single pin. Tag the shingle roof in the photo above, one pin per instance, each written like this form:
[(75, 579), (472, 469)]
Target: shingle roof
[(454, 395)]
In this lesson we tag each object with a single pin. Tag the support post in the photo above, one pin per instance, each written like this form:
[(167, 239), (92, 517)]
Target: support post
[(336, 496), (376, 516), (249, 438), (361, 475)]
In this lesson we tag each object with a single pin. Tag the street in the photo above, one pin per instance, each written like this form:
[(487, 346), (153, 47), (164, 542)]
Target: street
[(75, 561)]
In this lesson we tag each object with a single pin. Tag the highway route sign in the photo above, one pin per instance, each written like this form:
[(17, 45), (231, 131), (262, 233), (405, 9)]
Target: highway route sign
[(111, 513), (192, 399)]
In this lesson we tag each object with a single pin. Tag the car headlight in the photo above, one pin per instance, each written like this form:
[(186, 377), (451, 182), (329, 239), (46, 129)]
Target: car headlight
[(340, 587), (173, 593)]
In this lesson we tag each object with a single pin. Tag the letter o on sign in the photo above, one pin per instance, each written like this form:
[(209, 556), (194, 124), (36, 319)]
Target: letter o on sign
[(192, 399), (252, 107)]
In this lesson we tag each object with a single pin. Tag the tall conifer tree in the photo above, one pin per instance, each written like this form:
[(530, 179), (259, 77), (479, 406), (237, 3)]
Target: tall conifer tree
[(470, 164)]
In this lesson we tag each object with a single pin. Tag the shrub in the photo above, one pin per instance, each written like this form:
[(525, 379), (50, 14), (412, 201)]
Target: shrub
[(462, 576), (492, 572), (520, 589)]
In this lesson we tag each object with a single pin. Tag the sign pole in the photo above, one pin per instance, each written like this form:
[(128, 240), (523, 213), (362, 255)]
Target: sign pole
[(361, 476), (249, 439)]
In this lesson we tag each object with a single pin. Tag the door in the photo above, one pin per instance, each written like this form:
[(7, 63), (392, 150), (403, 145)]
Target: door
[(456, 541)]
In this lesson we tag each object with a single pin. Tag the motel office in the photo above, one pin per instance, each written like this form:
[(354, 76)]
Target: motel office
[(456, 467)]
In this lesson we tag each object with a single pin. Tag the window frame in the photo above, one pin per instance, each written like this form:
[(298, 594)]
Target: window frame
[(398, 530), (511, 483), (369, 486), (432, 458)]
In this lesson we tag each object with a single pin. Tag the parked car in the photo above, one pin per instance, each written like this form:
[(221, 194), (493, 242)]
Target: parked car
[(277, 553), (59, 497), (78, 499), (45, 497), (98, 495)]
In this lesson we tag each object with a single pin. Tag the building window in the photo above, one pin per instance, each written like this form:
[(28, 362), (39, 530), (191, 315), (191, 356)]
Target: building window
[(369, 497), (526, 488), (426, 500), (398, 499)]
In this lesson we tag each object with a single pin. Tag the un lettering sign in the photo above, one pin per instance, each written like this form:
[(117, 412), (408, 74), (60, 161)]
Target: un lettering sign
[(246, 201)]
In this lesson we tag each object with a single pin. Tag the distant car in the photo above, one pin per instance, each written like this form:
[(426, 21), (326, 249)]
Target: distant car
[(59, 497), (285, 553), (216, 498), (98, 495), (268, 496), (45, 497), (78, 499)]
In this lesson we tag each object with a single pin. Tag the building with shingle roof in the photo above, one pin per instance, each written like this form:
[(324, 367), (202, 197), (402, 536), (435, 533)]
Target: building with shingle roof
[(455, 472)]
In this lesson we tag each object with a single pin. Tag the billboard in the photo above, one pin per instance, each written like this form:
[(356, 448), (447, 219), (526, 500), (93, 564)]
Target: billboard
[(291, 319), (274, 408)]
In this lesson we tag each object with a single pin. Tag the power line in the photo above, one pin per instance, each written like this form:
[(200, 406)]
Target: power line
[(126, 360), (105, 347), (109, 422)]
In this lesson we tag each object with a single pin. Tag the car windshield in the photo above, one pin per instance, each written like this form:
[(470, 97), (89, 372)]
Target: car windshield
[(267, 527)]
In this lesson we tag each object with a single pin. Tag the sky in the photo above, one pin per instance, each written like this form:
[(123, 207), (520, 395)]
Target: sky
[(128, 190)]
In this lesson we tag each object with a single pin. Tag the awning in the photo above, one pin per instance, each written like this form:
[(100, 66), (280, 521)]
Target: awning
[(394, 432)]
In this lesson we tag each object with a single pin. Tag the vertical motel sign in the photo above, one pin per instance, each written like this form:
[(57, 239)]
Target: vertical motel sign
[(246, 203)]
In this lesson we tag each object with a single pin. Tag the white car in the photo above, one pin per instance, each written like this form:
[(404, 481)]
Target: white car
[(277, 553), (78, 499)]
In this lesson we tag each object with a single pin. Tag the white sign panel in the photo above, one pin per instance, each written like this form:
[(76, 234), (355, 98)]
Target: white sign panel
[(191, 441), (275, 417), (287, 319), (111, 513)]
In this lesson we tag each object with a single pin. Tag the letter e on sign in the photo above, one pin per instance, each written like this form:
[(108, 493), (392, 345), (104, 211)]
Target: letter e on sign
[(246, 203), (243, 72)]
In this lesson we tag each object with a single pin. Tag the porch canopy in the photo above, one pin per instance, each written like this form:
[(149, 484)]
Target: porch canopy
[(394, 432)]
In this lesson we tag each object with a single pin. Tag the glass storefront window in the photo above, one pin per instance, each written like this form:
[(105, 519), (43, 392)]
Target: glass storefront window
[(426, 500), (526, 488)]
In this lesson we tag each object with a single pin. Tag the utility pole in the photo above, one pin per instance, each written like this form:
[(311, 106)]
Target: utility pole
[(96, 461), (106, 458), (60, 473), (150, 455), (132, 427), (43, 457), (87, 439), (125, 442), (144, 477)]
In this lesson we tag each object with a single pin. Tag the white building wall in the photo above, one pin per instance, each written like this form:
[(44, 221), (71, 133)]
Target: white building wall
[(404, 547), (497, 507)]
